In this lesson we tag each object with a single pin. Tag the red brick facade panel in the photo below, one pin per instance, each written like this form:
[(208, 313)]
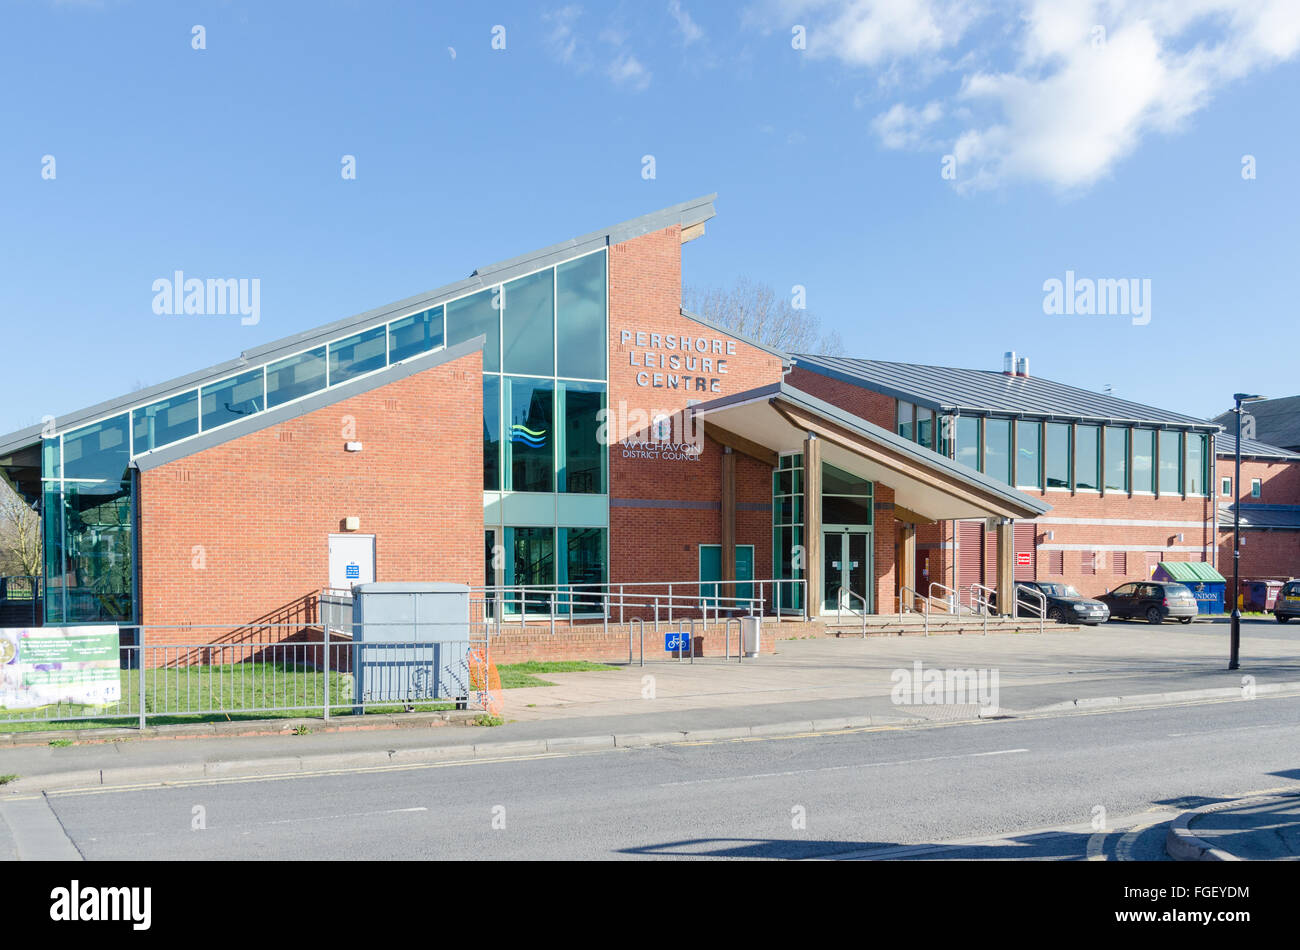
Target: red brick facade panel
[(239, 533)]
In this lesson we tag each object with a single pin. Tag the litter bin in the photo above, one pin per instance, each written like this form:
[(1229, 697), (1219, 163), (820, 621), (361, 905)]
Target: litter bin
[(1259, 596), (749, 639)]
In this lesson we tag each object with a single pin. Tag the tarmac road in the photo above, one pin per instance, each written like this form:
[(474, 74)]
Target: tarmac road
[(1017, 788)]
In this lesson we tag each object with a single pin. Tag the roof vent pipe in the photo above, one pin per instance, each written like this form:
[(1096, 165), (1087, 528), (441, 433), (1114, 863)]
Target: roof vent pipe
[(1022, 366), (1009, 362)]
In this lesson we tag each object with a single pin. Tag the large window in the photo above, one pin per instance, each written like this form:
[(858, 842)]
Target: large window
[(530, 442), (1144, 448), (166, 421), (968, 442), (905, 412), (1171, 462), (87, 524), (787, 529), (1197, 463), (477, 315), (296, 376), (361, 353), (531, 562), (1029, 436), (1116, 458), (416, 334), (925, 428), (492, 433), (846, 498), (583, 462), (580, 317), (584, 563), (528, 326), (232, 399), (1087, 458), (997, 449), (1057, 454)]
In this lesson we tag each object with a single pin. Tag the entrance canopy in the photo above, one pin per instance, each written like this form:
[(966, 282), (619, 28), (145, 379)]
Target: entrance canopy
[(778, 418)]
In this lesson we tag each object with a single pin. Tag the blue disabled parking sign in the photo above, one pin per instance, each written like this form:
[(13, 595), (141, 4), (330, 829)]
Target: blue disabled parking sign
[(677, 642)]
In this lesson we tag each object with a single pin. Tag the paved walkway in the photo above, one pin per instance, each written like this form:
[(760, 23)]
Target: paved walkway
[(1255, 829), (813, 685), (1033, 671)]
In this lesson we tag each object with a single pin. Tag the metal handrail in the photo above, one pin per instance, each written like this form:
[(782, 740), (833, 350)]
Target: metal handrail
[(985, 604), (840, 591), (915, 597), (1042, 605), (953, 603)]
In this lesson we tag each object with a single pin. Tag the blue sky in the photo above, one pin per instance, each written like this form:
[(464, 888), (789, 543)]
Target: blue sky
[(1112, 155)]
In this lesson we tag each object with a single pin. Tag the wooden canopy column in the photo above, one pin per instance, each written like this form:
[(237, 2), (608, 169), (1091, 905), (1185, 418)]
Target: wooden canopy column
[(907, 558), (812, 523), (728, 524), (1006, 567)]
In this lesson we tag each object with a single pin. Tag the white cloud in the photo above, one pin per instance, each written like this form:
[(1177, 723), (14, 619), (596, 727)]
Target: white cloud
[(1057, 91), (905, 127), (569, 45), (627, 70), (689, 29), (562, 40), (872, 32)]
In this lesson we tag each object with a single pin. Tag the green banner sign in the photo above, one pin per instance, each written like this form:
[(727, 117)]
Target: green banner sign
[(43, 666)]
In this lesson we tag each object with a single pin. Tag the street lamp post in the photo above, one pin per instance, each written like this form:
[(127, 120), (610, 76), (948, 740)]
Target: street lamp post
[(1234, 653)]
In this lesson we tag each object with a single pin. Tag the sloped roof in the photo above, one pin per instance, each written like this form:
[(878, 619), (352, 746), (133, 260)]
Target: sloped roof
[(1191, 572), (1277, 517), (983, 392), (685, 214), (1277, 421), (1225, 445)]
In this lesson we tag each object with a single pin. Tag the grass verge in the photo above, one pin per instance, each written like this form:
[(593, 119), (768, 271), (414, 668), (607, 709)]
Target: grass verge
[(519, 675)]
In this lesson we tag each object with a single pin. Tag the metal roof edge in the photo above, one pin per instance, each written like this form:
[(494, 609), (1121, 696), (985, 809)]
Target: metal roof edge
[(748, 341), (318, 400), (692, 211), (815, 364), (919, 452)]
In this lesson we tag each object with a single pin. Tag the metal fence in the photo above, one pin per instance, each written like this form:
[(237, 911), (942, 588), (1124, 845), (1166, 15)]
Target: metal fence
[(171, 673), (656, 602)]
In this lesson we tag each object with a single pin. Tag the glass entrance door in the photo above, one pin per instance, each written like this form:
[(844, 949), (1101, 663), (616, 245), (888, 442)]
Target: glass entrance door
[(846, 570)]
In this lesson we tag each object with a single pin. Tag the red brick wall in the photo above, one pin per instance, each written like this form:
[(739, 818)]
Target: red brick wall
[(238, 533), (1195, 514), (652, 544), (1265, 555), (1280, 481), (863, 403)]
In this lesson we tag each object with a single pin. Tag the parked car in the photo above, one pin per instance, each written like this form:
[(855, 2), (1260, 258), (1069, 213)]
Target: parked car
[(1064, 603), (1152, 601), (1287, 604)]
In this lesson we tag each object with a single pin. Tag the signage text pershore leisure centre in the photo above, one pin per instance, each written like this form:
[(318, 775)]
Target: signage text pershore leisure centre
[(684, 362)]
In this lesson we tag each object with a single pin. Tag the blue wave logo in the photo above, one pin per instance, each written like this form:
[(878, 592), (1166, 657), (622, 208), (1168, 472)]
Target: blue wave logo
[(532, 438)]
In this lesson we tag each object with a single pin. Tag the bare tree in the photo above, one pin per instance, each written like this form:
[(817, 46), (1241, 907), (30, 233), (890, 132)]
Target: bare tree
[(20, 536), (757, 311)]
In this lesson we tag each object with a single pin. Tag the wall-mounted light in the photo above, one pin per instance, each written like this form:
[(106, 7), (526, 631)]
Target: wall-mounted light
[(1049, 535), (352, 523), (352, 447)]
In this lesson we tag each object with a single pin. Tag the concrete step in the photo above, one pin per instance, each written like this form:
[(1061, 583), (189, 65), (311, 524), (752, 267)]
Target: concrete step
[(914, 625)]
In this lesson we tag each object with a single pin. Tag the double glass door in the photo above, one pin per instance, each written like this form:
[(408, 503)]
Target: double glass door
[(846, 570)]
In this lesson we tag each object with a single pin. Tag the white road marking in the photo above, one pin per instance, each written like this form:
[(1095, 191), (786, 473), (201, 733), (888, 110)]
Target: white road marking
[(839, 768)]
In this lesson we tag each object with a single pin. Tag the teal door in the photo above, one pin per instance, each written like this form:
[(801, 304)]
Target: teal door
[(711, 573)]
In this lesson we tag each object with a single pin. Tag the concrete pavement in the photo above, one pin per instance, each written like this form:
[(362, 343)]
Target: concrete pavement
[(808, 686), (1260, 828)]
